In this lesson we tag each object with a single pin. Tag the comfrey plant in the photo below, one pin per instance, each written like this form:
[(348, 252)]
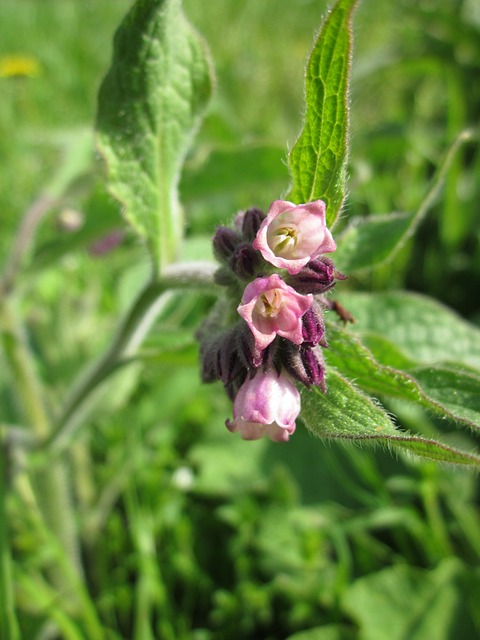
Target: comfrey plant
[(273, 338), (265, 339), (278, 339)]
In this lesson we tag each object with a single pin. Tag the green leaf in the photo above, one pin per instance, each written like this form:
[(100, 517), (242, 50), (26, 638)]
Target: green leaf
[(456, 391), (345, 412), (424, 330), (318, 159), (150, 104), (448, 392), (369, 242), (327, 632), (402, 602)]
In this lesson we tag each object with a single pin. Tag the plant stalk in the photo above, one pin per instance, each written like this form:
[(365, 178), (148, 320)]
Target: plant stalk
[(131, 333)]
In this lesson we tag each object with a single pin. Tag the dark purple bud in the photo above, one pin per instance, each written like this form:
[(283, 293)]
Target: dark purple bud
[(316, 277), (313, 327), (250, 356), (252, 219), (305, 364), (245, 261), (313, 362), (269, 360), (209, 358), (224, 242), (233, 386), (230, 366)]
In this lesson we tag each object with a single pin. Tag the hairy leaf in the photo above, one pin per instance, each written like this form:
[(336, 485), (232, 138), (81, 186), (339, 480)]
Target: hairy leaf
[(425, 331), (318, 159), (371, 241), (345, 412), (150, 104), (446, 391)]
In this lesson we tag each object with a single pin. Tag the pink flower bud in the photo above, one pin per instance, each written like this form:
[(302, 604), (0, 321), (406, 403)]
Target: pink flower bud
[(270, 307), (266, 405), (292, 235)]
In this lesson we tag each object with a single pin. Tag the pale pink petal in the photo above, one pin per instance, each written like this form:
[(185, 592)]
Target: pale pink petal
[(270, 308), (267, 404), (291, 235)]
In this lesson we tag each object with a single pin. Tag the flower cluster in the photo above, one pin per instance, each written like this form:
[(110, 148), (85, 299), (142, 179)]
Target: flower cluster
[(274, 265)]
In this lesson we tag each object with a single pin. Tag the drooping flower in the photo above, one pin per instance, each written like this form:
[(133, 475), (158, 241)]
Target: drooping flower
[(266, 405), (291, 235), (270, 307)]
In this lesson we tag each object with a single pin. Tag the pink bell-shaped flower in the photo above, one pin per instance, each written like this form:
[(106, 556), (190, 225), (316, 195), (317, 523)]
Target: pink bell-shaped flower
[(291, 235), (270, 307), (266, 405)]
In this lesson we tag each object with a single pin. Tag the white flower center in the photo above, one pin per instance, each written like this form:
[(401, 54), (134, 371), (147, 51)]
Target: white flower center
[(270, 303), (284, 240)]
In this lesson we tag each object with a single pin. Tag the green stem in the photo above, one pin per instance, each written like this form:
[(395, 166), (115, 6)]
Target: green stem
[(439, 179), (130, 335), (9, 629)]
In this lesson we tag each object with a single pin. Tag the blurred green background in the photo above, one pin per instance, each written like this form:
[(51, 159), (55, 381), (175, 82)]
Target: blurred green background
[(188, 532)]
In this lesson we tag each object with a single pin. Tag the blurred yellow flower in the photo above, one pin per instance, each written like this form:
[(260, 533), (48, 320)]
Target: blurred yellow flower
[(15, 66)]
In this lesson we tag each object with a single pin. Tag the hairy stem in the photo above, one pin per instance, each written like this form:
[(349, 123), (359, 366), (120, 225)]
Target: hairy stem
[(131, 333), (24, 237)]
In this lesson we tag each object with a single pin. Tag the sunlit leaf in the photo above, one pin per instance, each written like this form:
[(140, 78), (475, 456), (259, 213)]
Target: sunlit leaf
[(424, 330), (150, 104), (347, 413), (448, 392), (318, 159)]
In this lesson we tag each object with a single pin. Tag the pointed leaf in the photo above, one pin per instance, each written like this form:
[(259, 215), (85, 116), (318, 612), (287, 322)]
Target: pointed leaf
[(345, 412), (456, 391), (424, 330), (371, 241), (318, 159), (150, 104), (449, 392)]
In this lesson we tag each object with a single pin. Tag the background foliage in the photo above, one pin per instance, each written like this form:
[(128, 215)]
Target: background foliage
[(188, 532)]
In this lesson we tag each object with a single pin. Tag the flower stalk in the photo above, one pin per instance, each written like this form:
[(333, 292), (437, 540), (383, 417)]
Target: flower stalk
[(130, 335)]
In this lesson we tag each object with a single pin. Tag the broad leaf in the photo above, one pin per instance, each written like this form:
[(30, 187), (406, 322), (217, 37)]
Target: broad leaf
[(318, 159), (402, 602), (425, 331), (346, 413), (449, 392), (150, 104), (455, 391), (371, 241)]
